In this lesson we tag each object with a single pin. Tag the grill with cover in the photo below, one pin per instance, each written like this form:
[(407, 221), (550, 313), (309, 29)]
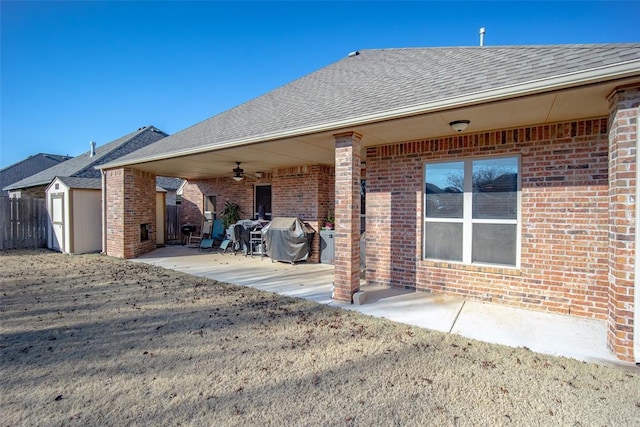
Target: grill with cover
[(288, 239)]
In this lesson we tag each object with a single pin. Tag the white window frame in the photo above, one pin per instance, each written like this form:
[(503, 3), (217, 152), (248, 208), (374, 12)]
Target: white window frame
[(467, 220)]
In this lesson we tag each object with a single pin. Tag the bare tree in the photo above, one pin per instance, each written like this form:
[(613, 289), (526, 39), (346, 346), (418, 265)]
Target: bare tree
[(481, 177)]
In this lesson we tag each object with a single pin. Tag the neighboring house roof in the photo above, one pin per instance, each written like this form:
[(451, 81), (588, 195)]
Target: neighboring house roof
[(28, 167), (83, 166), (169, 184), (383, 84)]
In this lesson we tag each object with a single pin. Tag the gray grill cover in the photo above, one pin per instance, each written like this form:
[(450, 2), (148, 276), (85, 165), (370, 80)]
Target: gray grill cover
[(288, 239)]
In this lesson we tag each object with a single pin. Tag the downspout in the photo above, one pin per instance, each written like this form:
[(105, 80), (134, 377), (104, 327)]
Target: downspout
[(636, 275), (104, 212)]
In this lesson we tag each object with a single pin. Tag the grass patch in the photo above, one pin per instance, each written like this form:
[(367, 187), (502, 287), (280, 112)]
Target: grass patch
[(92, 340)]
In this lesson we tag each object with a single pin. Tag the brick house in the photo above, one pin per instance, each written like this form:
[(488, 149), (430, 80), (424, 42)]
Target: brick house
[(84, 165), (27, 167), (502, 174)]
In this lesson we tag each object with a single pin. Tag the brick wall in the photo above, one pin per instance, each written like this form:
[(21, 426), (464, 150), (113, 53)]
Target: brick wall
[(131, 201), (564, 248), (305, 192), (624, 105), (225, 189), (29, 193)]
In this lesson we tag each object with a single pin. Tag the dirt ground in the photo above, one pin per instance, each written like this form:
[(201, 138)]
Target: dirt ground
[(91, 340)]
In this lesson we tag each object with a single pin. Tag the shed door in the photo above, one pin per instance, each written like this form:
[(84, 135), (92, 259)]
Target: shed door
[(57, 221)]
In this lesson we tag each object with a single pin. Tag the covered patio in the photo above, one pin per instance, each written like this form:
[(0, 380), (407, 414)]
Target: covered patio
[(547, 333)]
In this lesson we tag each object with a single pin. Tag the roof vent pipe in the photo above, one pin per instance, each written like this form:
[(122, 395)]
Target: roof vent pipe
[(92, 152), (482, 31)]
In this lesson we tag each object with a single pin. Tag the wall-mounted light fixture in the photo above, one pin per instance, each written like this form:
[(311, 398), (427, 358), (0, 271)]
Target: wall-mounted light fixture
[(459, 125), (258, 174)]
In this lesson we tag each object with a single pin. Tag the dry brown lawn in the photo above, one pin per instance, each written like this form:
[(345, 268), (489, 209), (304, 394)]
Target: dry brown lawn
[(91, 340)]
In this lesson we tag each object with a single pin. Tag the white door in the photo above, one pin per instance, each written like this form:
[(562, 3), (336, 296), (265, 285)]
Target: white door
[(57, 222)]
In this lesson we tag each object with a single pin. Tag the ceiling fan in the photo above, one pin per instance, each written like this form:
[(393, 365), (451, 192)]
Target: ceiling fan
[(239, 175), (238, 172)]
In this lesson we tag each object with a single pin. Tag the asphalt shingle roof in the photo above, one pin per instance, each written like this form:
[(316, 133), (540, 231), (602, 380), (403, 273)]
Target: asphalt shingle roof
[(168, 183), (83, 166), (83, 183), (89, 183), (382, 80), (29, 166)]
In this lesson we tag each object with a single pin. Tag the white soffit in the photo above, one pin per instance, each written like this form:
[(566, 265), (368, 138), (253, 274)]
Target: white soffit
[(551, 107)]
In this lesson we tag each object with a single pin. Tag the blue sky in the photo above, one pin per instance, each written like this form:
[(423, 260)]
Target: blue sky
[(72, 72)]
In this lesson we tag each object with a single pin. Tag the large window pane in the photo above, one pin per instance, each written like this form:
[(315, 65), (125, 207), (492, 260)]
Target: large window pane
[(494, 243), (444, 241), (444, 190), (495, 188), (480, 196), (210, 212)]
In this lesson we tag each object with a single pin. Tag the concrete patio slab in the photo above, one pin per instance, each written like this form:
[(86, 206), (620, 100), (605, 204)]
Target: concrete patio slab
[(302, 280), (410, 307), (547, 333)]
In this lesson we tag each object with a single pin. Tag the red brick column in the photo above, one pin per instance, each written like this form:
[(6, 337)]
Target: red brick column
[(115, 214), (624, 105), (347, 216), (131, 202)]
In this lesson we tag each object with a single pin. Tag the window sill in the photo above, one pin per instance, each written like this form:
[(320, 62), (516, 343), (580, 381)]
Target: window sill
[(475, 268)]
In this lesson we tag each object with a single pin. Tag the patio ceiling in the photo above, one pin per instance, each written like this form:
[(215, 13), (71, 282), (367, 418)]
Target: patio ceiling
[(318, 148)]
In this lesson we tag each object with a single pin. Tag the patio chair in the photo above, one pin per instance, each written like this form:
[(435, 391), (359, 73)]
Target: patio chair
[(205, 232), (216, 236), (217, 232)]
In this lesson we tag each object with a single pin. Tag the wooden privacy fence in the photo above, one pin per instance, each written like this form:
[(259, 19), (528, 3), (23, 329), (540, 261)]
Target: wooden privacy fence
[(173, 222), (23, 223)]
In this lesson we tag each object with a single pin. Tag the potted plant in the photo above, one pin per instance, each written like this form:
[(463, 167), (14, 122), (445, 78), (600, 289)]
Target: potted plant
[(329, 222), (231, 213)]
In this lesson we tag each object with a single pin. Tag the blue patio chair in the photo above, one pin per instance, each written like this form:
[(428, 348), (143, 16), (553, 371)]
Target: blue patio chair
[(218, 230)]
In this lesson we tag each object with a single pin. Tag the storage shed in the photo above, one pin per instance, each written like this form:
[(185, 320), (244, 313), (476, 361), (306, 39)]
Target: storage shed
[(75, 215), (75, 218)]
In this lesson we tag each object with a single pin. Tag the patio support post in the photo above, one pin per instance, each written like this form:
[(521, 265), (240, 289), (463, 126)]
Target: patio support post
[(624, 107), (347, 217), (131, 208)]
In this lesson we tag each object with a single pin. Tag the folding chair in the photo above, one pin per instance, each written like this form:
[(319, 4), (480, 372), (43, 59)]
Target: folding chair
[(217, 233), (206, 243), (205, 232)]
